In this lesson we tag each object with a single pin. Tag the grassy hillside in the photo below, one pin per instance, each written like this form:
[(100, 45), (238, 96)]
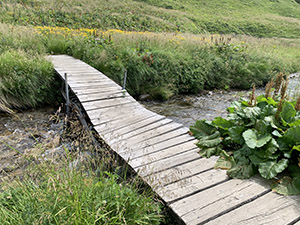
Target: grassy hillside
[(261, 18)]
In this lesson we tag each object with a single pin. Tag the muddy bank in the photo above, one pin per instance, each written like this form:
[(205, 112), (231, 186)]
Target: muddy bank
[(25, 136)]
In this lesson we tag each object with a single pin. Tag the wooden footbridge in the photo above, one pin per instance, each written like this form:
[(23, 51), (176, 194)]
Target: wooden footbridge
[(165, 156)]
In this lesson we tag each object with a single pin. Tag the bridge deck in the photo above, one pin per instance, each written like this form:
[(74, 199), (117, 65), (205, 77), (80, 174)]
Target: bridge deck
[(165, 156)]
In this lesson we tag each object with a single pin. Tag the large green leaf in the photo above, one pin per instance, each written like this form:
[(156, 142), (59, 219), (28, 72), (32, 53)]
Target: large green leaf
[(287, 186), (270, 169), (263, 127), (290, 138), (249, 112), (222, 123), (244, 169), (208, 152), (202, 128), (209, 143), (268, 110), (236, 134), (225, 161), (295, 123), (269, 100), (253, 140), (269, 151), (256, 160), (288, 113)]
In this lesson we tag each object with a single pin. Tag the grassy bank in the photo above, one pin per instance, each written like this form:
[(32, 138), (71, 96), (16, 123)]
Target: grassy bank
[(50, 174), (159, 64), (69, 196), (260, 18)]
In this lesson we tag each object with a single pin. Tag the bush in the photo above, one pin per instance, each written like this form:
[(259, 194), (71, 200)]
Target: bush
[(258, 136)]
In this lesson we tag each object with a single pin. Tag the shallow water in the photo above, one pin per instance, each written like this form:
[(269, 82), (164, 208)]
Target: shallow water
[(208, 105)]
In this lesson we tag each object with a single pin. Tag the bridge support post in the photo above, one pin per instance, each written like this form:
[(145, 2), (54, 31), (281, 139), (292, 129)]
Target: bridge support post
[(67, 96)]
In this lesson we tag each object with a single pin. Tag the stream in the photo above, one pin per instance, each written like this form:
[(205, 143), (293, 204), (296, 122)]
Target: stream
[(186, 109), (33, 131)]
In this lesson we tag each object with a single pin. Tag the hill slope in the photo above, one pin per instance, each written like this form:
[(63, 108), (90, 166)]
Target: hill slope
[(261, 18)]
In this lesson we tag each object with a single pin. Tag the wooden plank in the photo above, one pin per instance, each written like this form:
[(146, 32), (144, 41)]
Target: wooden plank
[(135, 125), (181, 172), (219, 199), (151, 157), (97, 90), (101, 96), (268, 209), (146, 150), (149, 138), (111, 128), (87, 85), (147, 141), (103, 115), (168, 163), (94, 86), (139, 125), (150, 129), (106, 103), (190, 185), (89, 78)]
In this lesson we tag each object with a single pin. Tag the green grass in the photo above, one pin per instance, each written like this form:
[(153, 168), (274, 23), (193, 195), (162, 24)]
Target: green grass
[(74, 187), (26, 79), (72, 197), (261, 18), (158, 64)]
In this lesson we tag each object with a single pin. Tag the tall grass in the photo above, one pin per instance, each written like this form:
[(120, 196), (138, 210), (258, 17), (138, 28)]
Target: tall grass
[(62, 186), (157, 64), (26, 79), (260, 18), (68, 196)]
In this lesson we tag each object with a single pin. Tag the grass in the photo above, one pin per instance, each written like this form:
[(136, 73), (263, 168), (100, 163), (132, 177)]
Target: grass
[(260, 18), (159, 64), (75, 186), (25, 80), (69, 196)]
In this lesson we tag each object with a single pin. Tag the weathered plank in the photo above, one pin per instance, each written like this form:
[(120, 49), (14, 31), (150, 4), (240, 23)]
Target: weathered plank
[(134, 124), (149, 138), (106, 103), (138, 126), (219, 199), (190, 185), (164, 164), (147, 132), (150, 157), (111, 128), (80, 92), (145, 150), (270, 209), (101, 96)]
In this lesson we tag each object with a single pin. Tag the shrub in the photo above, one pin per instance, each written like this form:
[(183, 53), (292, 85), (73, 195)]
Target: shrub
[(258, 136)]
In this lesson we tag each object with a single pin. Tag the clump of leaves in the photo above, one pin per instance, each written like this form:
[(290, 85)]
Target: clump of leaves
[(258, 136)]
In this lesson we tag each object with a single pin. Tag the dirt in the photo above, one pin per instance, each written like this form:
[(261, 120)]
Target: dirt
[(25, 136)]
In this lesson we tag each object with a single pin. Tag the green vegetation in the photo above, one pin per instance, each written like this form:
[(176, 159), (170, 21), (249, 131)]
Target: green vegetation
[(258, 136), (261, 18), (74, 197), (82, 183), (26, 80), (160, 64)]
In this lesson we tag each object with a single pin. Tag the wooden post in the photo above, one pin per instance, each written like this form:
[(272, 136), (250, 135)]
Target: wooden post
[(124, 81), (67, 96)]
